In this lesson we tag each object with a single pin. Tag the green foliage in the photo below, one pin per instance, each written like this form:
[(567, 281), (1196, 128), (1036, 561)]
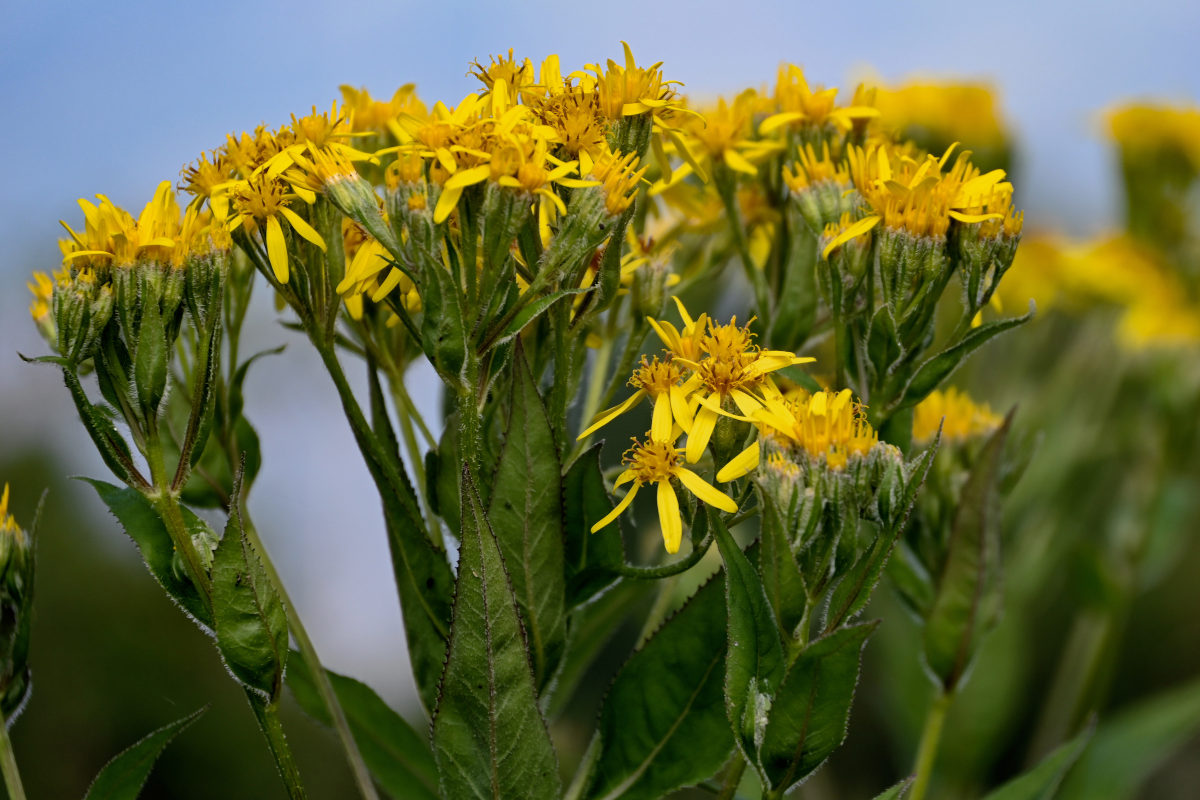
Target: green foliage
[(526, 514), (591, 559), (967, 602), (1128, 747), (251, 624), (1041, 782), (489, 737), (754, 660), (664, 723), (141, 522), (808, 718), (123, 777), (399, 758)]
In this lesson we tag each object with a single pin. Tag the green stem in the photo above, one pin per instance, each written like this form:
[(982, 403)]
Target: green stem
[(733, 777), (8, 765), (927, 750), (267, 715), (166, 503), (361, 775), (754, 275), (667, 570)]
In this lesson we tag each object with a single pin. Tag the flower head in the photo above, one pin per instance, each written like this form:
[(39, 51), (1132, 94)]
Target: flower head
[(662, 463), (959, 417)]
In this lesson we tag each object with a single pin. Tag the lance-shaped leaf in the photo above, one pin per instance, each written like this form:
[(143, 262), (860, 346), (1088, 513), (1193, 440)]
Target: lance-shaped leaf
[(796, 309), (967, 601), (124, 776), (526, 516), (142, 523), (664, 725), (252, 628), (931, 374), (1041, 782), (781, 578), (399, 758), (1135, 742), (422, 574), (150, 358), (808, 719), (754, 662), (591, 559), (489, 738), (443, 331)]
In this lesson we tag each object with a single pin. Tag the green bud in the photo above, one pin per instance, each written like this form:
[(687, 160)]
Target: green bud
[(16, 600), (205, 541), (354, 196), (650, 287)]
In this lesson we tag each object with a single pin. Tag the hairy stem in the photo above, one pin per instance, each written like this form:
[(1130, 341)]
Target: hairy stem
[(927, 750), (8, 765)]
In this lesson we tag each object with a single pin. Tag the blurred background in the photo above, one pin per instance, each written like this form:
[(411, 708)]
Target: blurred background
[(114, 98)]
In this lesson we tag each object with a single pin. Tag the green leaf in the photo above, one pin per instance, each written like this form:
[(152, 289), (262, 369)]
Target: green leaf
[(489, 737), (1133, 743), (591, 558), (97, 421), (808, 719), (252, 628), (399, 758), (754, 662), (124, 776), (781, 578), (896, 792), (443, 332), (203, 398), (526, 514), (796, 307), (1041, 782), (526, 315), (931, 374), (142, 524), (967, 601), (663, 724)]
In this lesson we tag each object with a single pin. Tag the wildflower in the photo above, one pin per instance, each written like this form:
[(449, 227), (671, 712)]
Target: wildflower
[(632, 90), (660, 463), (959, 417), (662, 382), (938, 114), (686, 343), (619, 178), (733, 371), (798, 104), (826, 426), (724, 135), (259, 202)]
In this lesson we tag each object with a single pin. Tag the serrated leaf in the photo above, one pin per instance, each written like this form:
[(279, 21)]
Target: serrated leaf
[(591, 559), (123, 777), (1132, 744), (97, 421), (663, 724), (142, 524), (931, 373), (754, 660), (808, 719), (781, 578), (967, 600), (489, 737), (252, 627), (1041, 782), (443, 331), (526, 515), (399, 758)]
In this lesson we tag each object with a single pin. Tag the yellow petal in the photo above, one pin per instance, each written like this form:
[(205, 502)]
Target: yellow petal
[(742, 463), (303, 228), (668, 516), (447, 200), (680, 409), (705, 491), (277, 249), (853, 232), (608, 415), (616, 512), (468, 177), (702, 428), (735, 161)]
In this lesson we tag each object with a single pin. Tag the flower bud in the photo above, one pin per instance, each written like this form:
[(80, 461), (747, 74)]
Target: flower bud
[(16, 599)]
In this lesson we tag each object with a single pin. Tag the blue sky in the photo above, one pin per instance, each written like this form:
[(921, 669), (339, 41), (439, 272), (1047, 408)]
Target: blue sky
[(115, 97)]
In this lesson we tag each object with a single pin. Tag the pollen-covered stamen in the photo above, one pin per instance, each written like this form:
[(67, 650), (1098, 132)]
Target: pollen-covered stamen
[(260, 197), (656, 377), (652, 461)]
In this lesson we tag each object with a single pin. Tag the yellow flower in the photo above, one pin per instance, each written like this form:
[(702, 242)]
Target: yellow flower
[(797, 104), (370, 115), (112, 236), (732, 370), (945, 112), (827, 426), (660, 463), (8, 525), (960, 417), (662, 382), (686, 343), (724, 135), (260, 202), (632, 90), (42, 288), (1142, 128)]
